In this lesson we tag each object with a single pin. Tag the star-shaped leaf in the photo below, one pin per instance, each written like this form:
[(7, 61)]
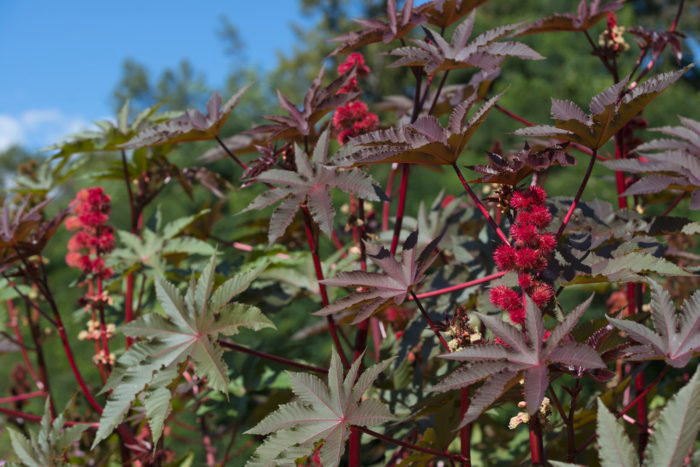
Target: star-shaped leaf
[(667, 163), (609, 112), (48, 446), (483, 52), (309, 185), (192, 126), (392, 286), (423, 142), (320, 412), (397, 25), (524, 351), (189, 330), (152, 248), (677, 335), (585, 17), (318, 101)]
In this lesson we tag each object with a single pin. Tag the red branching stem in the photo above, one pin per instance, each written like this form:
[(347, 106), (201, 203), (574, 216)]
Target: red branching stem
[(400, 209), (430, 322), (462, 286), (230, 153), (642, 394), (679, 12), (358, 233), (675, 202), (14, 324), (577, 198), (465, 434), (536, 444), (21, 397), (434, 452), (308, 228), (479, 204), (271, 357), (387, 204), (37, 418)]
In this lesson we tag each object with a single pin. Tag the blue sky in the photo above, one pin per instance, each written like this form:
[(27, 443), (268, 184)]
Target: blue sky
[(61, 59)]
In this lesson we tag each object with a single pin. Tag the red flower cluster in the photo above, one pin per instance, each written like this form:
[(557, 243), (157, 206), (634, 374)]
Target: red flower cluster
[(90, 208), (356, 60), (353, 118), (527, 255)]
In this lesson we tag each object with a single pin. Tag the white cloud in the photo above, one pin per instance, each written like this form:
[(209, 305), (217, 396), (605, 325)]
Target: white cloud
[(37, 128)]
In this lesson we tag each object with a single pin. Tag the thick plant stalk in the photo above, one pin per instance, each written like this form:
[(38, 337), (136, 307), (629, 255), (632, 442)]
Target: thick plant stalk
[(479, 204), (405, 170), (577, 198), (536, 444), (308, 228)]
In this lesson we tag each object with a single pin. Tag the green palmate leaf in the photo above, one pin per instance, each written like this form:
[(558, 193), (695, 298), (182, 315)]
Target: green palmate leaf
[(320, 412), (47, 447), (677, 335), (309, 186), (676, 430), (609, 112), (189, 330), (615, 449), (154, 248)]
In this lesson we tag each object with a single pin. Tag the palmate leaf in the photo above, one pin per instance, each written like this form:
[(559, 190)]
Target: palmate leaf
[(674, 433), (153, 248), (320, 412), (423, 142), (393, 286), (677, 335), (309, 186), (443, 13), (188, 331), (609, 112), (585, 17), (47, 447), (614, 447), (483, 52), (526, 352), (397, 25), (192, 126), (318, 101), (667, 163)]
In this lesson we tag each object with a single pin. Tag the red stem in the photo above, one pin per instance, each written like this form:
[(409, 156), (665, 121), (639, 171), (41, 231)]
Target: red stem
[(273, 358), (581, 188), (387, 204), (405, 170), (14, 324), (430, 322), (21, 397), (434, 452), (465, 433), (479, 204), (308, 228), (675, 202), (643, 393), (230, 153), (37, 418), (536, 444), (464, 285)]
